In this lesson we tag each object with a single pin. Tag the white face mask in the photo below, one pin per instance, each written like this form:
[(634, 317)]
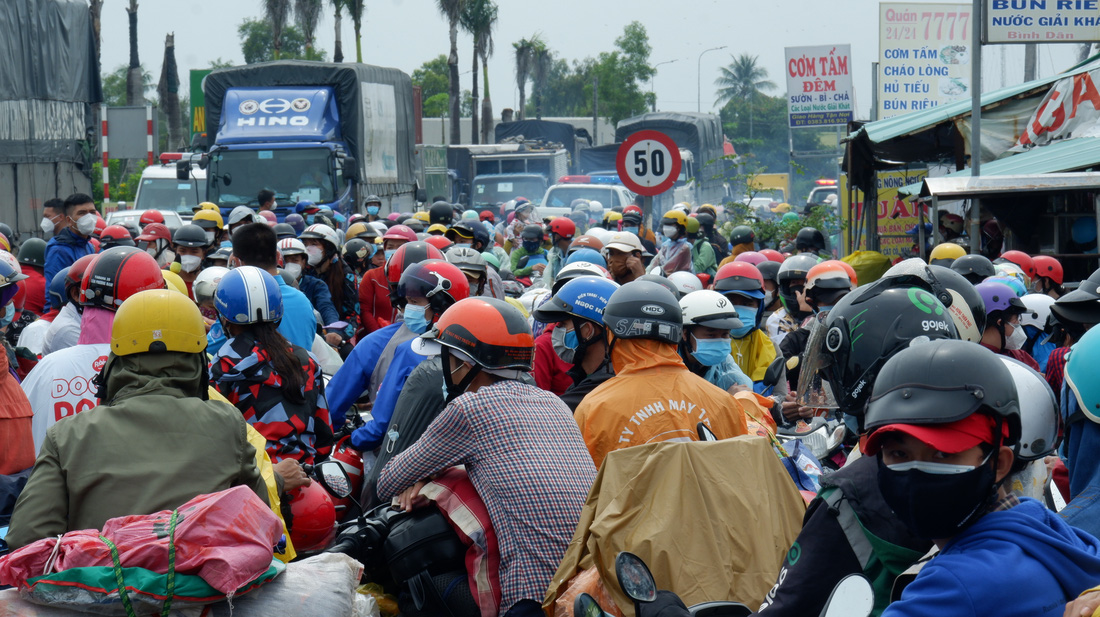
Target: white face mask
[(209, 238), (86, 224), (669, 231), (166, 257), (1017, 339), (294, 270), (190, 263), (769, 297), (47, 226), (314, 255)]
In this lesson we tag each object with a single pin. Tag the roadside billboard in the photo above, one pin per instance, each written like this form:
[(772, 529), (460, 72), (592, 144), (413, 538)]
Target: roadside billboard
[(924, 55), (198, 101), (819, 85), (1041, 21), (895, 216)]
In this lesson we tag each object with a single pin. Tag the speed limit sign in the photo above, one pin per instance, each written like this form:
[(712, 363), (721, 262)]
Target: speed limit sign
[(648, 162)]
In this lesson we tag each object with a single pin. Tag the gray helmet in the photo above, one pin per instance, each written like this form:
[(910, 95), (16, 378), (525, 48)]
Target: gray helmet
[(644, 310), (284, 230), (33, 252), (466, 259), (190, 235), (372, 199), (241, 214)]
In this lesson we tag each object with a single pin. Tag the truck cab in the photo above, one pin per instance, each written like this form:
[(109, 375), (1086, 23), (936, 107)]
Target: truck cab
[(161, 189), (605, 189), (487, 191)]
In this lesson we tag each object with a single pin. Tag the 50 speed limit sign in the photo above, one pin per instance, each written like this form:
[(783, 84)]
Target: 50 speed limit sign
[(648, 162)]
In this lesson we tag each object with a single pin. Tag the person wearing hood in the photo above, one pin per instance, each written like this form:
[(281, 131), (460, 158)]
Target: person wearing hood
[(753, 350), (675, 252), (1003, 333), (70, 240), (653, 396), (111, 278), (110, 461)]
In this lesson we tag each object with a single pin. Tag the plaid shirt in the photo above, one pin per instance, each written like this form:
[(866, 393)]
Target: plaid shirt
[(525, 455), (1056, 369)]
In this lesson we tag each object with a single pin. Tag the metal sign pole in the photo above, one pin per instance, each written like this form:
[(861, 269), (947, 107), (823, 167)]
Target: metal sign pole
[(977, 20)]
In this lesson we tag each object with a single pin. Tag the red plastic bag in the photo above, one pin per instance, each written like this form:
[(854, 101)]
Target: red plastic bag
[(225, 538)]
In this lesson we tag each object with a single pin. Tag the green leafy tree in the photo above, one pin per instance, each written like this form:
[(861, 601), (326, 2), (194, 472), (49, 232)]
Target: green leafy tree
[(431, 77), (114, 86), (257, 44), (436, 105), (745, 79)]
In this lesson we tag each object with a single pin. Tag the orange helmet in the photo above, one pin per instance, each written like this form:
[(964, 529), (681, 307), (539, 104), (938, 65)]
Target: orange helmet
[(829, 275), (491, 332), (851, 273), (439, 242)]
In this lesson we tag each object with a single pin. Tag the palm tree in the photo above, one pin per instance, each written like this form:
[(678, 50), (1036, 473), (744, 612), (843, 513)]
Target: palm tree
[(452, 10), (135, 93), (541, 59), (338, 43), (478, 18), (742, 79), (356, 9), (486, 103), (523, 51), (307, 13), (276, 12)]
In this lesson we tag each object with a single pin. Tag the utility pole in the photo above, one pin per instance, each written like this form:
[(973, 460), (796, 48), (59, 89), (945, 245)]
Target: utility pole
[(699, 79), (595, 111)]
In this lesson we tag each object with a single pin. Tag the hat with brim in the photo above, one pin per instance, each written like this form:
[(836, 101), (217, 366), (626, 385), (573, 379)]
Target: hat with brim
[(950, 438)]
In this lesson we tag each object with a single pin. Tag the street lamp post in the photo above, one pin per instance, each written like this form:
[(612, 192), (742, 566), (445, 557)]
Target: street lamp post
[(699, 72), (651, 91)]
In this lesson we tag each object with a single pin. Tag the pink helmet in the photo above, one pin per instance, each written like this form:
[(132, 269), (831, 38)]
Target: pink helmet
[(269, 217), (752, 257), (393, 216), (400, 232)]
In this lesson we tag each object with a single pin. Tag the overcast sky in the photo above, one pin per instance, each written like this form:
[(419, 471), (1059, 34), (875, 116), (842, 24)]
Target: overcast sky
[(405, 33)]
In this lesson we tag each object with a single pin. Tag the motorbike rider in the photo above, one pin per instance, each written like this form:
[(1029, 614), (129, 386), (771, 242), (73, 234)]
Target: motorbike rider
[(106, 462), (16, 422), (156, 239), (675, 252), (718, 244), (826, 283), (295, 262), (632, 222), (624, 253), (529, 258), (190, 243), (374, 290), (945, 253), (1003, 333), (753, 351), (742, 239), (975, 268), (32, 259), (702, 254), (561, 231), (323, 256), (64, 332), (772, 302), (210, 220), (1048, 277), (276, 385), (515, 440), (111, 278), (792, 289), (70, 242), (945, 424), (483, 280), (705, 348), (373, 204), (810, 240), (579, 337), (653, 396)]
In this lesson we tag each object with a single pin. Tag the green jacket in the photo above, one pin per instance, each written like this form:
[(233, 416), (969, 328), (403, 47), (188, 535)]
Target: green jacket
[(151, 444), (702, 257), (519, 253)]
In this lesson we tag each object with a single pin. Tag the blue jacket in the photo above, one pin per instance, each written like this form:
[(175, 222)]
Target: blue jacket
[(61, 251), (349, 383), (1024, 561), (369, 436), (316, 291)]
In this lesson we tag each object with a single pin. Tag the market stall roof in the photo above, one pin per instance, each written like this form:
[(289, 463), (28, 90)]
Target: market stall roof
[(958, 187)]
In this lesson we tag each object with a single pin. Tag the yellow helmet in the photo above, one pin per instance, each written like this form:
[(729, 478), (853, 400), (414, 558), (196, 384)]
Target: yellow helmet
[(612, 216), (361, 230), (947, 250), (208, 205), (782, 208), (175, 283), (158, 320), (422, 216), (208, 215), (692, 225), (676, 216), (437, 227)]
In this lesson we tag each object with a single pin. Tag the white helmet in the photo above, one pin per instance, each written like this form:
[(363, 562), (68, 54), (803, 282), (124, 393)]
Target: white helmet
[(291, 246), (323, 232), (379, 227), (600, 234), (532, 298), (1038, 310), (709, 308), (206, 283), (576, 269), (10, 259), (595, 206), (241, 213), (1040, 420), (686, 282)]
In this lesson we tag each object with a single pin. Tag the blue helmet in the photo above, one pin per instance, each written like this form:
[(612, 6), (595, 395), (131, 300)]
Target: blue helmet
[(248, 295), (58, 297), (584, 297), (304, 206), (589, 255), (296, 221)]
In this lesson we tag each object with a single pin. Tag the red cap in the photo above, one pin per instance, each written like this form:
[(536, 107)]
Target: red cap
[(951, 438)]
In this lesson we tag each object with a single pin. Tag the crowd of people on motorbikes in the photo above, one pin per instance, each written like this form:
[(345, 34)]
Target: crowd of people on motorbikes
[(148, 365)]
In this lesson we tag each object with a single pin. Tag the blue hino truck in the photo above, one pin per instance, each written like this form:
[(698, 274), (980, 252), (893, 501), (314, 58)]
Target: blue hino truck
[(327, 133)]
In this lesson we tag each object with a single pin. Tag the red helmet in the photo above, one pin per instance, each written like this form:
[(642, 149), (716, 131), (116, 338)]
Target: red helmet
[(406, 255), (115, 235), (155, 231), (94, 241), (438, 281), (487, 215), (20, 294), (76, 272), (352, 462), (1020, 258), (1048, 267), (117, 274), (738, 276), (313, 518), (772, 255), (439, 242), (632, 208), (563, 227), (150, 216), (400, 232), (751, 257), (99, 224)]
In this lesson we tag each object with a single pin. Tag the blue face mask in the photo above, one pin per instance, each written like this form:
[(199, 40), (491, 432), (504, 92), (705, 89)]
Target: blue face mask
[(390, 253), (372, 210), (9, 316), (309, 219), (747, 315), (633, 230), (414, 318), (571, 339), (825, 309), (711, 351), (531, 247)]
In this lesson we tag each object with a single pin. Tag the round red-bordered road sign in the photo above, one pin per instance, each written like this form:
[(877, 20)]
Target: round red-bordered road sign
[(648, 162)]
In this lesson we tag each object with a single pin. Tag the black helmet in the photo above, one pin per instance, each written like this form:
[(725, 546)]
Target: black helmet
[(962, 300), (644, 310), (284, 231), (975, 268), (440, 212), (742, 234), (33, 252), (809, 238), (662, 281), (372, 199), (864, 330), (943, 381), (794, 268), (191, 236), (1080, 306), (469, 229), (531, 232), (357, 253), (769, 270), (9, 234), (706, 221)]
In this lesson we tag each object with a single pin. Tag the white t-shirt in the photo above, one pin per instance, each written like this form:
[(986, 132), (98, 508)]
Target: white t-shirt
[(33, 337), (60, 385), (64, 332)]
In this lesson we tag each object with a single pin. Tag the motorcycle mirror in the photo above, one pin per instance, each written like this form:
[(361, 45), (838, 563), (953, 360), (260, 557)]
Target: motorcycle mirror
[(705, 434), (334, 478), (586, 606), (635, 578), (774, 372), (183, 170), (350, 169), (852, 597)]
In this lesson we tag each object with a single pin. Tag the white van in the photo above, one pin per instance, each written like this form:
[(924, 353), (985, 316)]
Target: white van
[(159, 189)]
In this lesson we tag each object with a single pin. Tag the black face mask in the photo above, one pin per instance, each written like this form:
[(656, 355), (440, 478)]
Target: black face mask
[(937, 506)]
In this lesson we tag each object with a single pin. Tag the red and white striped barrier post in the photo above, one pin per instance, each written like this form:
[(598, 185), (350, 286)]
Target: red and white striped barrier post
[(149, 132), (103, 146)]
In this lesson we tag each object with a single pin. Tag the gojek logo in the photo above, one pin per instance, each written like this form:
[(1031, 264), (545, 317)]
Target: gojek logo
[(274, 112), (928, 303)]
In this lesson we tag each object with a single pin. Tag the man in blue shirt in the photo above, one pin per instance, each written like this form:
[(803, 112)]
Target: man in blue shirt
[(255, 245), (71, 242)]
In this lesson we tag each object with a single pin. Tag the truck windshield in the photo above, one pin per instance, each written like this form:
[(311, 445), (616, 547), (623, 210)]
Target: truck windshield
[(563, 196), (494, 191), (170, 194), (236, 176)]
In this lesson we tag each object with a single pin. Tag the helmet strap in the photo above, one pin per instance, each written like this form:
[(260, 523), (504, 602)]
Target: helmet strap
[(455, 390), (1001, 330)]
